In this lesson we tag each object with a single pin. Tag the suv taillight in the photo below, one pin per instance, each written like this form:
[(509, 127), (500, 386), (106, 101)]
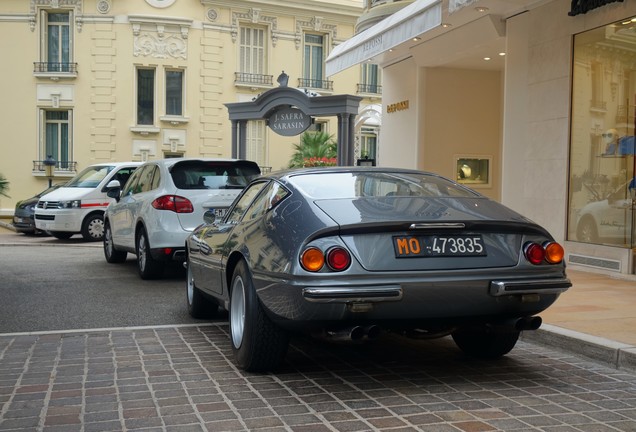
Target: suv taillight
[(175, 203)]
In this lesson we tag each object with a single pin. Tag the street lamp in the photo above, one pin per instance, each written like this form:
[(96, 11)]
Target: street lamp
[(49, 167)]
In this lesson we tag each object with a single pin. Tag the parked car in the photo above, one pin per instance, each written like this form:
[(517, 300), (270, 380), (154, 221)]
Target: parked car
[(163, 202), (609, 220), (348, 252), (78, 206), (24, 214)]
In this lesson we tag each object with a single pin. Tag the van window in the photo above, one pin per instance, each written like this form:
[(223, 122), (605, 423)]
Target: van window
[(123, 174), (132, 183), (91, 177)]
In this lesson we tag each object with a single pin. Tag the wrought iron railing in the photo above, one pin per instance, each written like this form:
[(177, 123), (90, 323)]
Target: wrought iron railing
[(255, 79), (39, 165), (370, 88), (314, 83), (49, 67)]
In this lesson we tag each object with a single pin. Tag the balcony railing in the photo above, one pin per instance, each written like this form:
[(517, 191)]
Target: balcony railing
[(316, 84), (369, 89), (40, 166), (243, 78), (598, 105), (50, 67)]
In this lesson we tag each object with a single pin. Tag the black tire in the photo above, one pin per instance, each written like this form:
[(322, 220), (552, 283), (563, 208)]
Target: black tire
[(93, 227), (149, 268), (199, 305), (587, 231), (486, 343), (258, 344), (112, 255), (62, 235)]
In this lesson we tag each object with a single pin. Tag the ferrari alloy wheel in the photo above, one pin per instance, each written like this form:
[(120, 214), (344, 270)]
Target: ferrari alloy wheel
[(148, 267), (199, 305), (112, 255), (93, 227), (484, 342), (258, 344)]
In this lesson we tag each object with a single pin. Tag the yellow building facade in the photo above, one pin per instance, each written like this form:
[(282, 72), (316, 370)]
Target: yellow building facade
[(92, 81)]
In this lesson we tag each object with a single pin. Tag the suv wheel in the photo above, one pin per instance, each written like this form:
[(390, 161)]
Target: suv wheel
[(93, 227), (149, 268), (112, 255)]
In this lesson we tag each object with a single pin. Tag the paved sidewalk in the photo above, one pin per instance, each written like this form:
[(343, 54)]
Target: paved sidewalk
[(595, 318)]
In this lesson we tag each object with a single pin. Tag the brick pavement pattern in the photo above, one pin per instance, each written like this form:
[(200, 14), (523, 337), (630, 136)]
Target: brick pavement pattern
[(182, 379)]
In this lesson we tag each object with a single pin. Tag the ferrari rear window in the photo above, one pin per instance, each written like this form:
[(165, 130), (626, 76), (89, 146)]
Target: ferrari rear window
[(377, 184)]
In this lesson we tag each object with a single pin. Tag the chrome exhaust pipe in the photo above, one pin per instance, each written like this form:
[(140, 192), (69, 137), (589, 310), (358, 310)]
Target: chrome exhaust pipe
[(528, 323), (354, 333)]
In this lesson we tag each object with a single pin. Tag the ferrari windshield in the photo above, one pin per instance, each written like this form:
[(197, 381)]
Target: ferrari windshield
[(90, 177), (377, 184)]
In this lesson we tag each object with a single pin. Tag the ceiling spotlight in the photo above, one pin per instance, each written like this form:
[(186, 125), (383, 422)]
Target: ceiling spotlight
[(486, 58), (390, 49), (502, 54), (481, 9), (446, 25), (415, 39)]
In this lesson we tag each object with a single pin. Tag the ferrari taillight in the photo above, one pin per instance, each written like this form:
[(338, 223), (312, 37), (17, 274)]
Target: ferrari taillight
[(175, 203), (338, 259), (550, 252), (534, 252), (314, 259), (553, 252)]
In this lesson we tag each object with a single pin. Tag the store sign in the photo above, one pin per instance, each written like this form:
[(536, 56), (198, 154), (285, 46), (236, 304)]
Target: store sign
[(289, 121), (398, 106), (584, 6)]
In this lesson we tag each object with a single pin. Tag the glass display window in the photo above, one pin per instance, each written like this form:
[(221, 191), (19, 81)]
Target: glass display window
[(473, 171), (603, 120)]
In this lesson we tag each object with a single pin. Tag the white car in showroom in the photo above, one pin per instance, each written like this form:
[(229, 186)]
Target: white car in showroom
[(163, 202)]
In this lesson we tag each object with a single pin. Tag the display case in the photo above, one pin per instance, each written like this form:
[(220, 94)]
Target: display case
[(473, 171)]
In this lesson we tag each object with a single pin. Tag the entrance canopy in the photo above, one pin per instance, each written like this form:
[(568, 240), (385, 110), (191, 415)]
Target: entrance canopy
[(345, 107), (415, 19)]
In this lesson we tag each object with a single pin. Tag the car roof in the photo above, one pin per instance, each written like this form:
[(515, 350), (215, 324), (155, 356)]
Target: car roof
[(344, 169), (172, 161), (116, 164)]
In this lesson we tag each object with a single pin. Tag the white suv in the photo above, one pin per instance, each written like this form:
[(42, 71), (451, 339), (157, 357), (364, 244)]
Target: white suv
[(78, 206), (163, 202)]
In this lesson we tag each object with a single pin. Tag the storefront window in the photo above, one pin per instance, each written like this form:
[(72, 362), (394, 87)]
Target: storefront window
[(473, 171), (602, 187)]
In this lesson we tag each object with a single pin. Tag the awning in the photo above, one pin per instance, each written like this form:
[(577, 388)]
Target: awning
[(415, 19)]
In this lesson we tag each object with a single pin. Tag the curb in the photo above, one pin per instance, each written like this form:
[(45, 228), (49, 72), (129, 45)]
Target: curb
[(611, 353), (6, 225)]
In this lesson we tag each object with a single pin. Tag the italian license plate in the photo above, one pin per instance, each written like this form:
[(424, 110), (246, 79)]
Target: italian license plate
[(438, 246)]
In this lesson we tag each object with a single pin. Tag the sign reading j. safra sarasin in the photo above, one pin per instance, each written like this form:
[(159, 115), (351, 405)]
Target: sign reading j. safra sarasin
[(289, 121)]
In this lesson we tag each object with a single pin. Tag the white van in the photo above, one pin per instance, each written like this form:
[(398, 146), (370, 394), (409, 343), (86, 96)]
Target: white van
[(79, 206)]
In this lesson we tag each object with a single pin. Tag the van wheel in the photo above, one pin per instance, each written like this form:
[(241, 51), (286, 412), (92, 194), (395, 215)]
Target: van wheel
[(149, 268), (62, 235), (93, 227)]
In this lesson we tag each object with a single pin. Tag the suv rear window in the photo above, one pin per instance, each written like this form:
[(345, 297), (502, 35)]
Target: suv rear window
[(213, 174)]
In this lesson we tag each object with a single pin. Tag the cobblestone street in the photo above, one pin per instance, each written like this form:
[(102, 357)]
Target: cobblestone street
[(181, 378)]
